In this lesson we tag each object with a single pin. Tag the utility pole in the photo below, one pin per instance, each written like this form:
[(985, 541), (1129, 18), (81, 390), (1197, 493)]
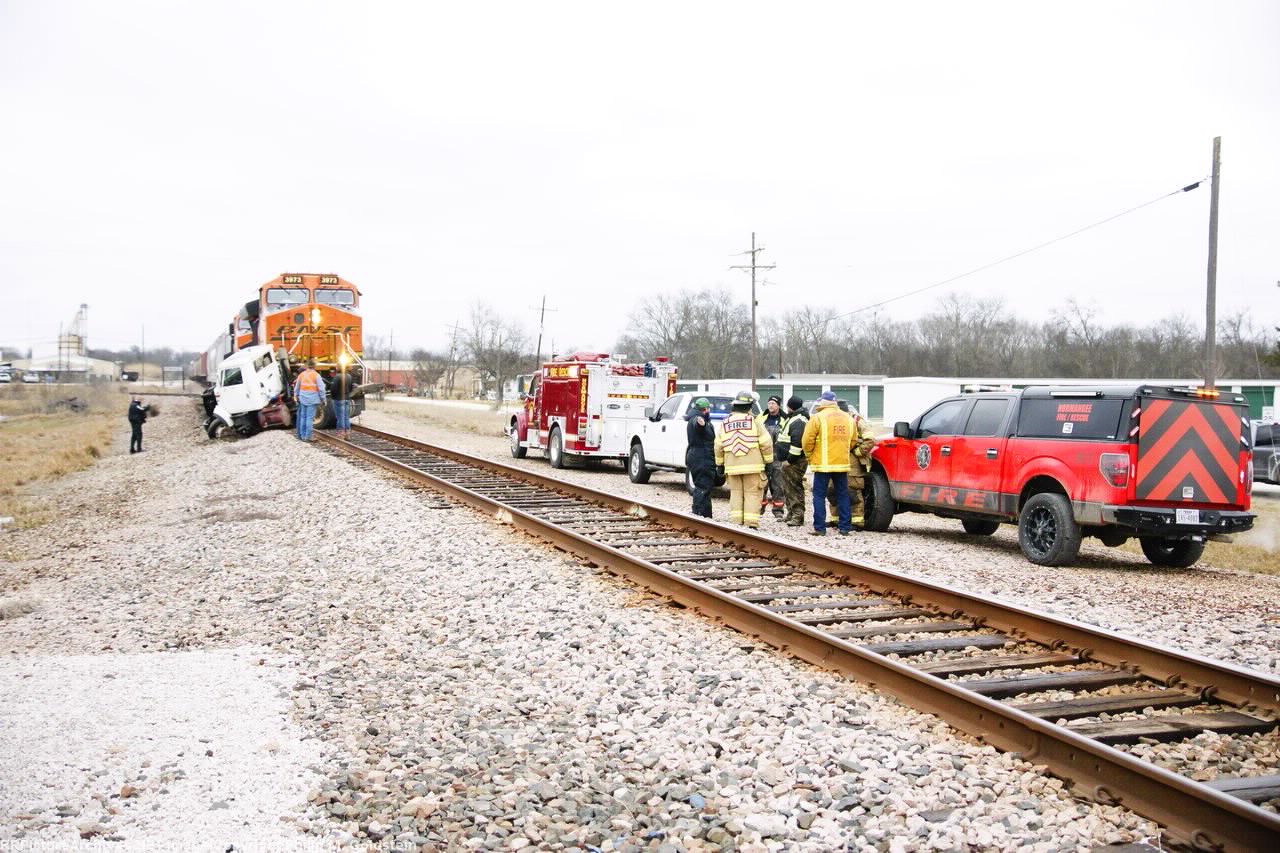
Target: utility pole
[(753, 267), (1211, 295), (542, 316), (142, 356), (451, 369)]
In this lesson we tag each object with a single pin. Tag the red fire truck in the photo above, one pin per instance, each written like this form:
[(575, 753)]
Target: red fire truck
[(584, 405)]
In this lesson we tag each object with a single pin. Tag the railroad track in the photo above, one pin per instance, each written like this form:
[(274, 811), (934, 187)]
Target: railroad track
[(976, 663)]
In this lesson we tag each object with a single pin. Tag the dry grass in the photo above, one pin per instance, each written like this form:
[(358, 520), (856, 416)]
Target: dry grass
[(41, 440), (447, 416), (1255, 551)]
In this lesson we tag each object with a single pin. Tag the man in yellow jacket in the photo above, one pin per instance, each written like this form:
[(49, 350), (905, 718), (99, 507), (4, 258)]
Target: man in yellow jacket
[(858, 467), (743, 451), (828, 440)]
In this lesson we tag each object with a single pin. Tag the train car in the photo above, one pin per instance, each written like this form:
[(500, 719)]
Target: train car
[(297, 316)]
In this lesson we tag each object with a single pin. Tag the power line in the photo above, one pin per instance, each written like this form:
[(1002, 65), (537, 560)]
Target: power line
[(1186, 189)]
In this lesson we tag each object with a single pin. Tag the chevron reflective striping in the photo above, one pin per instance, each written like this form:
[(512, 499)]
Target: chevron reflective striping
[(1187, 445)]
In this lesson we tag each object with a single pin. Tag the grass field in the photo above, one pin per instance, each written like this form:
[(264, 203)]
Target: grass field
[(481, 421), (42, 438)]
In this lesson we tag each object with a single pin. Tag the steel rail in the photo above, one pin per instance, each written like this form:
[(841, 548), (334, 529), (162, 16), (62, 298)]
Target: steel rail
[(1197, 814)]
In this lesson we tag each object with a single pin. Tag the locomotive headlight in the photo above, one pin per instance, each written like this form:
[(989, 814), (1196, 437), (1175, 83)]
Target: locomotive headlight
[(315, 316), (344, 358)]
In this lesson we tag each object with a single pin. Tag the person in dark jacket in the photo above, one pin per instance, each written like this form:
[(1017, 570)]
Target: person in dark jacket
[(790, 452), (340, 392), (137, 417), (774, 488), (700, 457)]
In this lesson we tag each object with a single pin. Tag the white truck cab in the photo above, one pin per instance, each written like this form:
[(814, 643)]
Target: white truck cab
[(658, 441), (250, 393)]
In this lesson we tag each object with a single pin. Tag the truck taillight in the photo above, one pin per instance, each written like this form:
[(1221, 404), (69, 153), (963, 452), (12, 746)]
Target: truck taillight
[(582, 426), (1115, 468), (1248, 483)]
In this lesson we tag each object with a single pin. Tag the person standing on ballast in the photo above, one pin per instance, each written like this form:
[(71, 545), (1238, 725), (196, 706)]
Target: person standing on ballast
[(700, 457), (137, 417)]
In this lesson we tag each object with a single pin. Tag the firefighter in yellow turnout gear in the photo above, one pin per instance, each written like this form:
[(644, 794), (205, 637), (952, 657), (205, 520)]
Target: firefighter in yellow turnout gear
[(859, 465), (743, 450)]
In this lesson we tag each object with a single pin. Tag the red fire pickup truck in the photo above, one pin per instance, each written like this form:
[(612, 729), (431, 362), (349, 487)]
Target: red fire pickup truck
[(1167, 465)]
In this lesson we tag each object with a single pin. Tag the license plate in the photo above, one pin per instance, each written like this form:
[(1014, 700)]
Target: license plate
[(1187, 516)]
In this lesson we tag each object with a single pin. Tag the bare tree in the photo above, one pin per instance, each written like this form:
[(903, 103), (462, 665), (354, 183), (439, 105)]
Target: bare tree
[(428, 367), (495, 345)]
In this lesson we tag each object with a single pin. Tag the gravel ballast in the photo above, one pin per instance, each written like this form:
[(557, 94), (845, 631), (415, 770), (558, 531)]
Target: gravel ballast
[(1224, 614), (371, 664)]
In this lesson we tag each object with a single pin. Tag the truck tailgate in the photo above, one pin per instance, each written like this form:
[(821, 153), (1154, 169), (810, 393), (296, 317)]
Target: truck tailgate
[(1190, 451)]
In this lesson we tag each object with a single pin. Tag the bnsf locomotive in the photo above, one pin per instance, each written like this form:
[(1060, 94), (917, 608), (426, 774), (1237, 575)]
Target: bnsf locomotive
[(252, 365)]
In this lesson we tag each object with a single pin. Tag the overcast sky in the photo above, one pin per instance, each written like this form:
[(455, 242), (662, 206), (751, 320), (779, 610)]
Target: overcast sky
[(162, 160)]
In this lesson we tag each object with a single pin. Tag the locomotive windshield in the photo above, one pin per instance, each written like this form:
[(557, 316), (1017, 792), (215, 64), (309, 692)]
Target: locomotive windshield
[(335, 297), (286, 297)]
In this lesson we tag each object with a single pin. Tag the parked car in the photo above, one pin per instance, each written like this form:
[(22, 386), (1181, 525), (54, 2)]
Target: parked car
[(5, 376), (1167, 465), (1266, 462), (31, 378), (659, 441)]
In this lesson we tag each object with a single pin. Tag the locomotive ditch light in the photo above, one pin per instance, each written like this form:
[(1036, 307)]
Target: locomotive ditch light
[(344, 358), (315, 316)]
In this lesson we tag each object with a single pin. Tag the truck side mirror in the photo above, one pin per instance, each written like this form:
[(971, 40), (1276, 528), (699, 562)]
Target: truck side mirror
[(902, 429), (648, 413)]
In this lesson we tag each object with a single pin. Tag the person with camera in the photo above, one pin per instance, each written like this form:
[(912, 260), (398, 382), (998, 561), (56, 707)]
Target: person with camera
[(137, 417)]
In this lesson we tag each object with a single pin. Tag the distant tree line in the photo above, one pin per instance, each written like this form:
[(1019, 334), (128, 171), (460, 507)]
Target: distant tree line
[(962, 336), (158, 355)]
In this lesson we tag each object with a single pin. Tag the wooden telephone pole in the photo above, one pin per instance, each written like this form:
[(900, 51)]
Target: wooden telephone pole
[(753, 267), (1211, 291)]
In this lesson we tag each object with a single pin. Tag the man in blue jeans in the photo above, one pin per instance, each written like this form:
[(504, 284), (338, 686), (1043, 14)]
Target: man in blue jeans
[(828, 439), (341, 393), (308, 390)]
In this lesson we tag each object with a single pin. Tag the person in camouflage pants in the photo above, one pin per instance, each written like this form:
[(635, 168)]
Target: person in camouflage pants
[(790, 454)]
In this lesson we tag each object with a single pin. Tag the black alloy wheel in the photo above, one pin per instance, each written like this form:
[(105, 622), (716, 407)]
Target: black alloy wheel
[(878, 505), (1047, 531)]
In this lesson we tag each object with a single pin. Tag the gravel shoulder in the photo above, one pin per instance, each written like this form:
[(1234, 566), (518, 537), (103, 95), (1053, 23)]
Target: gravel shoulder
[(371, 664)]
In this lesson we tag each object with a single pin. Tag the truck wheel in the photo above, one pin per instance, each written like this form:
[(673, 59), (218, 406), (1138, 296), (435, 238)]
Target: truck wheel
[(325, 416), (1177, 553), (1047, 531), (877, 514), (980, 528), (215, 428), (517, 451), (636, 469), (555, 448)]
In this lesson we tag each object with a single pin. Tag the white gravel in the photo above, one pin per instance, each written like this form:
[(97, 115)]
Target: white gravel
[(452, 684), (113, 746)]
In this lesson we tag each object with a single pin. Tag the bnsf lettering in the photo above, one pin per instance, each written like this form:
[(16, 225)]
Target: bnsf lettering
[(316, 330)]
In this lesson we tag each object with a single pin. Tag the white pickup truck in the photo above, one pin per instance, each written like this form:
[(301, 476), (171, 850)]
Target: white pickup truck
[(658, 442)]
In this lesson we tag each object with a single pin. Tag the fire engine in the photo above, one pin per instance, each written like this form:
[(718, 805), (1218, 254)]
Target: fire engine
[(1168, 465), (583, 405), (252, 364)]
